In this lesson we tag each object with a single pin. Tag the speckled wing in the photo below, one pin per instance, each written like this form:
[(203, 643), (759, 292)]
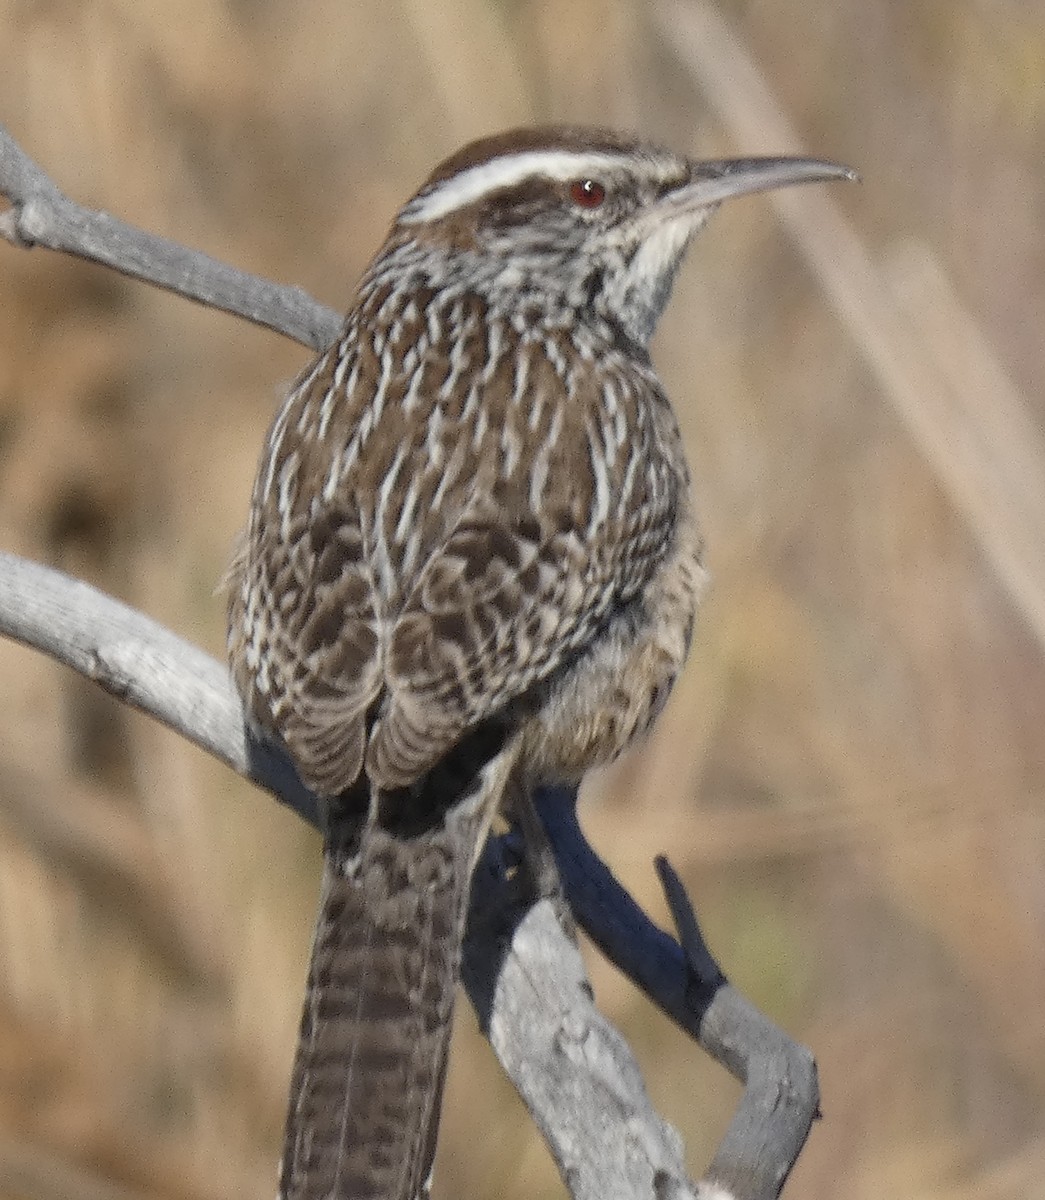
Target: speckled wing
[(435, 548), (304, 626)]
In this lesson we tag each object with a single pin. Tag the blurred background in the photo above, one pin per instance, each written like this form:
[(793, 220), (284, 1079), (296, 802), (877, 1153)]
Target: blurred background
[(850, 776)]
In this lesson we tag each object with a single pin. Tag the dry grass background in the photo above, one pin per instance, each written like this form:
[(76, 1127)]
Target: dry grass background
[(851, 775)]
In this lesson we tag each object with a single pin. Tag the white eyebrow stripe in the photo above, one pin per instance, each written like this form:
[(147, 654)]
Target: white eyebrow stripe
[(505, 172)]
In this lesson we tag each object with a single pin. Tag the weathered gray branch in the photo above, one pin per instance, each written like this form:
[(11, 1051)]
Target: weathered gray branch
[(41, 215), (572, 1069), (781, 1093)]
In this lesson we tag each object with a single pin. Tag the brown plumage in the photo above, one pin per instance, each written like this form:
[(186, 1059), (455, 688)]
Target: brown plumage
[(471, 563)]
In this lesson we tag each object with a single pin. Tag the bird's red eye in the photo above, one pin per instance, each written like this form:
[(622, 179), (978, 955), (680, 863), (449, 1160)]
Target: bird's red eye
[(587, 193)]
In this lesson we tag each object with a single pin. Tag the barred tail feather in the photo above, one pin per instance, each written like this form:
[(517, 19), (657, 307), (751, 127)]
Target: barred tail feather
[(371, 1057)]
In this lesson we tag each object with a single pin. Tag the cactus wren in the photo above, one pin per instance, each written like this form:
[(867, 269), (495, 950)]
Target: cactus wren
[(471, 565)]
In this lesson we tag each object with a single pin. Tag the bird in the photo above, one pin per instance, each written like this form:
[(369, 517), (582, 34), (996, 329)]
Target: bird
[(471, 566)]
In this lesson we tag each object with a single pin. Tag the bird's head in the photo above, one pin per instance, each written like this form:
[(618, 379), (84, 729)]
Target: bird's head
[(584, 220)]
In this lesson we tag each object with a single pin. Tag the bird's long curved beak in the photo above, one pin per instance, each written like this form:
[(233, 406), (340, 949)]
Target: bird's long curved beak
[(715, 180)]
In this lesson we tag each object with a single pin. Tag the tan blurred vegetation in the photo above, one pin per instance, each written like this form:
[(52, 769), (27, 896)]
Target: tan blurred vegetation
[(851, 776)]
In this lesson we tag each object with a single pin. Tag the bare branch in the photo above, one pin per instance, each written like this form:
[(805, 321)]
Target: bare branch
[(42, 216), (573, 1069), (781, 1094), (143, 664)]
